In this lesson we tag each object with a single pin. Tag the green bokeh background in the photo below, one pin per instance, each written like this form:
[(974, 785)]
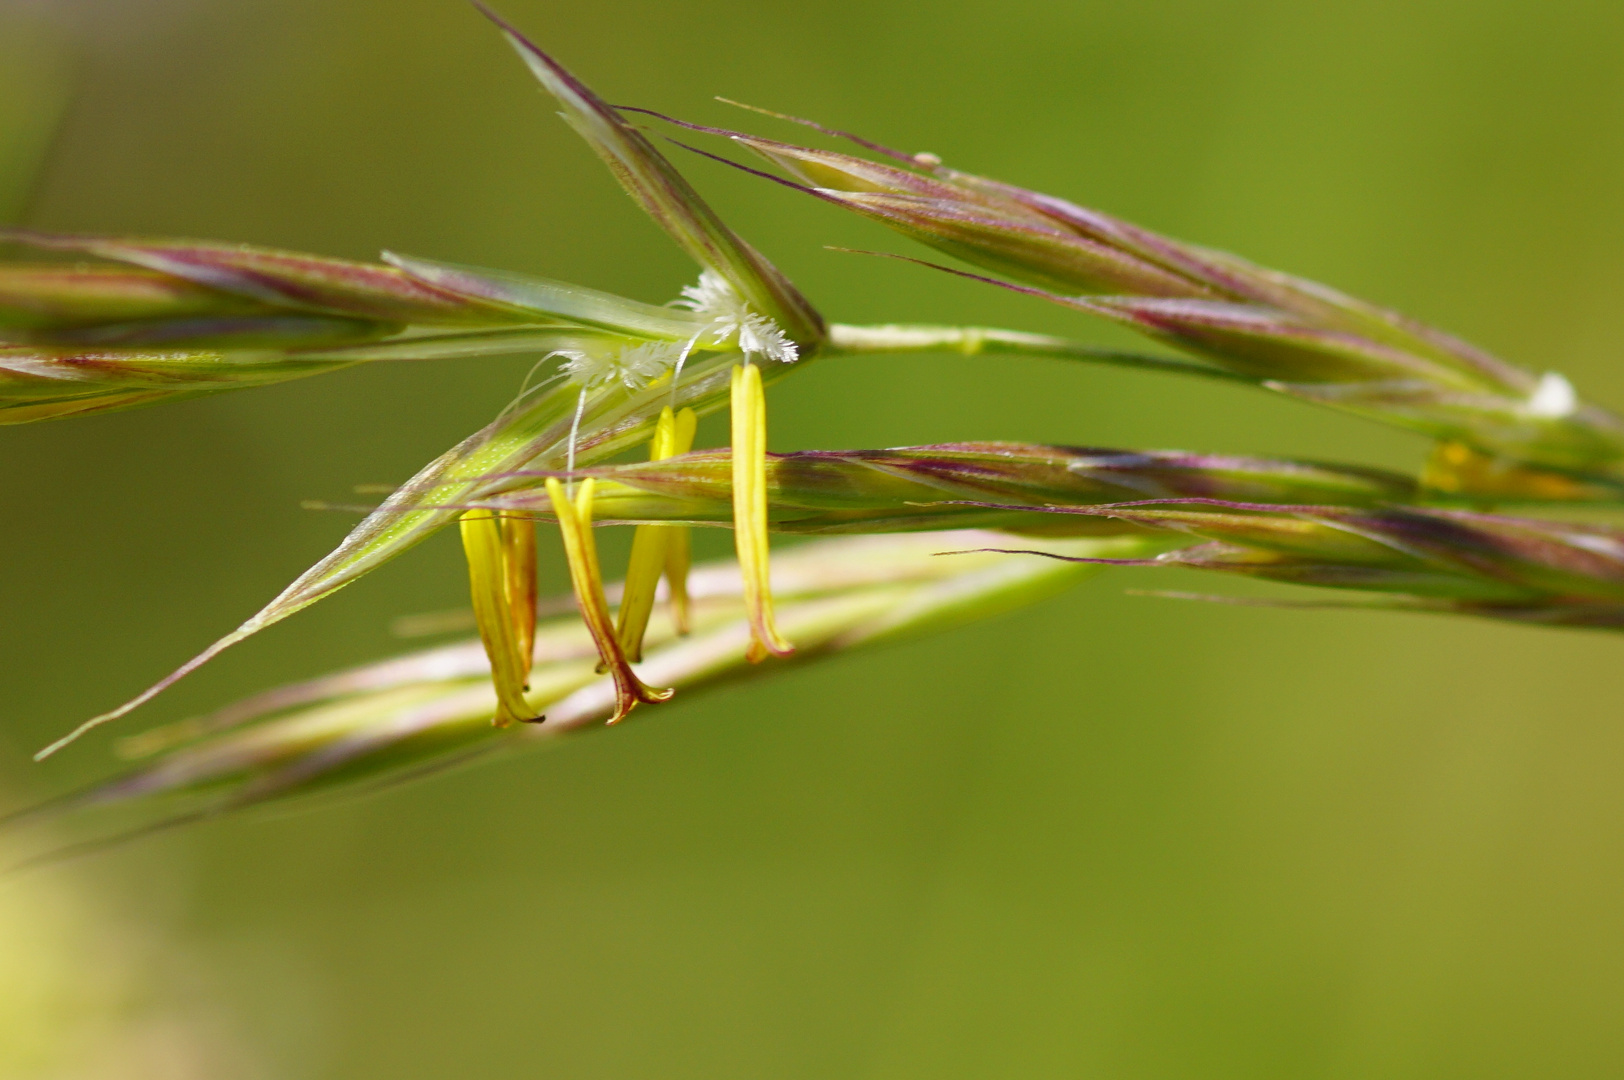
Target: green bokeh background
[(1110, 836)]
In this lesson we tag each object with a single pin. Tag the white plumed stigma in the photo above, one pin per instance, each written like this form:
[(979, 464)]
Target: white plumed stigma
[(634, 367), (733, 323), (1554, 397)]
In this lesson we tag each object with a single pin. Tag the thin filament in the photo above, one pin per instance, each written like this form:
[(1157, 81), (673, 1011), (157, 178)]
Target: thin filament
[(676, 369), (575, 433)]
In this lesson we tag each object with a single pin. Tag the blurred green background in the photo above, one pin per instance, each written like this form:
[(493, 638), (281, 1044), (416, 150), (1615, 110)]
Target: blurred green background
[(1107, 837)]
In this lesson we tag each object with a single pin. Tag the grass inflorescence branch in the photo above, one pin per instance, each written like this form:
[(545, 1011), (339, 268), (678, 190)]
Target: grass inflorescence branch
[(97, 323)]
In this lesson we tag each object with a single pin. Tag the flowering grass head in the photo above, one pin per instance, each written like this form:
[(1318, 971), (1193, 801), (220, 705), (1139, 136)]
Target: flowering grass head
[(622, 362), (154, 320)]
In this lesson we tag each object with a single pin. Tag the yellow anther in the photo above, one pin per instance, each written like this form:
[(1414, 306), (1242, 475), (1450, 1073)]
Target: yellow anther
[(678, 546), (581, 549), (519, 565), (502, 581), (651, 545), (749, 407)]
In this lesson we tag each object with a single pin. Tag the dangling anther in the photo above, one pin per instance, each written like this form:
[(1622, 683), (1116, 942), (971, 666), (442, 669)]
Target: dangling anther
[(651, 546), (501, 557), (519, 580), (749, 415), (581, 549)]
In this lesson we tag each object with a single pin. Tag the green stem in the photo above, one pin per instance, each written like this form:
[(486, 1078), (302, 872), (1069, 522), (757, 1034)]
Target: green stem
[(846, 340)]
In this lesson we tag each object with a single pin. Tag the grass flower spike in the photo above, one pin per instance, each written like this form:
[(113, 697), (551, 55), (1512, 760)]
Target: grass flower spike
[(749, 305), (153, 319), (1009, 486), (1416, 558), (413, 308), (616, 352), (163, 320), (1289, 335), (501, 552)]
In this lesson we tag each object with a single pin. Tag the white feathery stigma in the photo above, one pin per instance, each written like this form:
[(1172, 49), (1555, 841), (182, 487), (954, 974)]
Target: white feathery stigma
[(633, 366), (732, 322)]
